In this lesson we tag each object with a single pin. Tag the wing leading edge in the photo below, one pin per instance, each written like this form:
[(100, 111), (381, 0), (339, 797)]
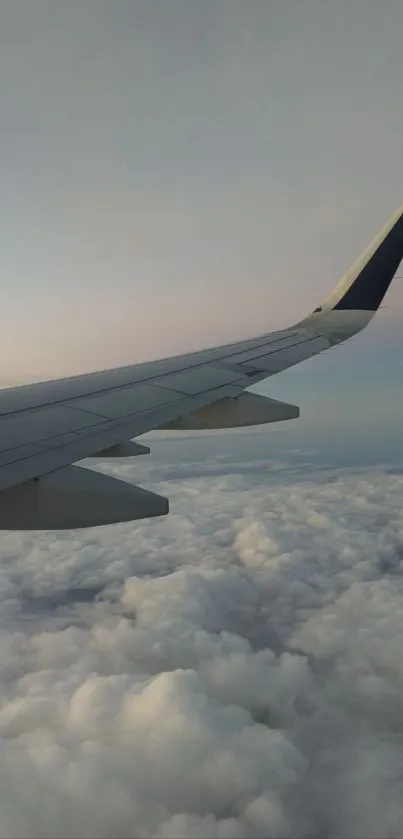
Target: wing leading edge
[(47, 427)]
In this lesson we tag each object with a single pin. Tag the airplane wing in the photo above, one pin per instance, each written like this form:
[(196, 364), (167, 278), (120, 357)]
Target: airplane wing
[(47, 427)]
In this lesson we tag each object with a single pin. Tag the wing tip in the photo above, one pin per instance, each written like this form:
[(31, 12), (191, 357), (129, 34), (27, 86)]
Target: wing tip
[(365, 284)]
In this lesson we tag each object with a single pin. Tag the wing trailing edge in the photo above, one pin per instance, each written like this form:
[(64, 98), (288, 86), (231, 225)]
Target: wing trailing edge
[(244, 410)]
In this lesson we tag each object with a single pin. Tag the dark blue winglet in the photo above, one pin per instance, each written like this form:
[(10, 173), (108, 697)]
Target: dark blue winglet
[(371, 284)]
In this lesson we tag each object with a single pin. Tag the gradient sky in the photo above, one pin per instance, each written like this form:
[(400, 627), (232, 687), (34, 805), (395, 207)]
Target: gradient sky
[(177, 174)]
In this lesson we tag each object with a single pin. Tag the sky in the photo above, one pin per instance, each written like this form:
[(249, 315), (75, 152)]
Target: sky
[(176, 174)]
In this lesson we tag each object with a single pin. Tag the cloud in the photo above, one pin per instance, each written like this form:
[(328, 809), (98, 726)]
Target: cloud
[(235, 670)]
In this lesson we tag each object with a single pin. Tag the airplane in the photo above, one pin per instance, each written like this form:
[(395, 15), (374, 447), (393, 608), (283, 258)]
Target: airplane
[(48, 427)]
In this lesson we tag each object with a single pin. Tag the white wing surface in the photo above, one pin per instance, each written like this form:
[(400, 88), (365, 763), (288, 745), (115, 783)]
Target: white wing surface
[(47, 427)]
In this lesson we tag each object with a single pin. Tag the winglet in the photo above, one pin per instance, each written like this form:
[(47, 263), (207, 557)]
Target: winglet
[(357, 296), (365, 284)]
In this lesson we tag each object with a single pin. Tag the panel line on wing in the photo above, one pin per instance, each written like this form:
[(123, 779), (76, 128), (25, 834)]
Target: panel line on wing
[(108, 433), (253, 345)]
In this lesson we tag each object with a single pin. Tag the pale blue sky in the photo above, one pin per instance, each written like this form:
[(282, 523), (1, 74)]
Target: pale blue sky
[(175, 174)]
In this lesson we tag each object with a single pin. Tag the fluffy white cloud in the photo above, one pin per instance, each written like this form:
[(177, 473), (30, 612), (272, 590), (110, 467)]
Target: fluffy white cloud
[(235, 670)]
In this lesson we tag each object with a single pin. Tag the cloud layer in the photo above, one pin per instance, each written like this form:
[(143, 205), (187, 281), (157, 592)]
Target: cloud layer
[(235, 670)]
